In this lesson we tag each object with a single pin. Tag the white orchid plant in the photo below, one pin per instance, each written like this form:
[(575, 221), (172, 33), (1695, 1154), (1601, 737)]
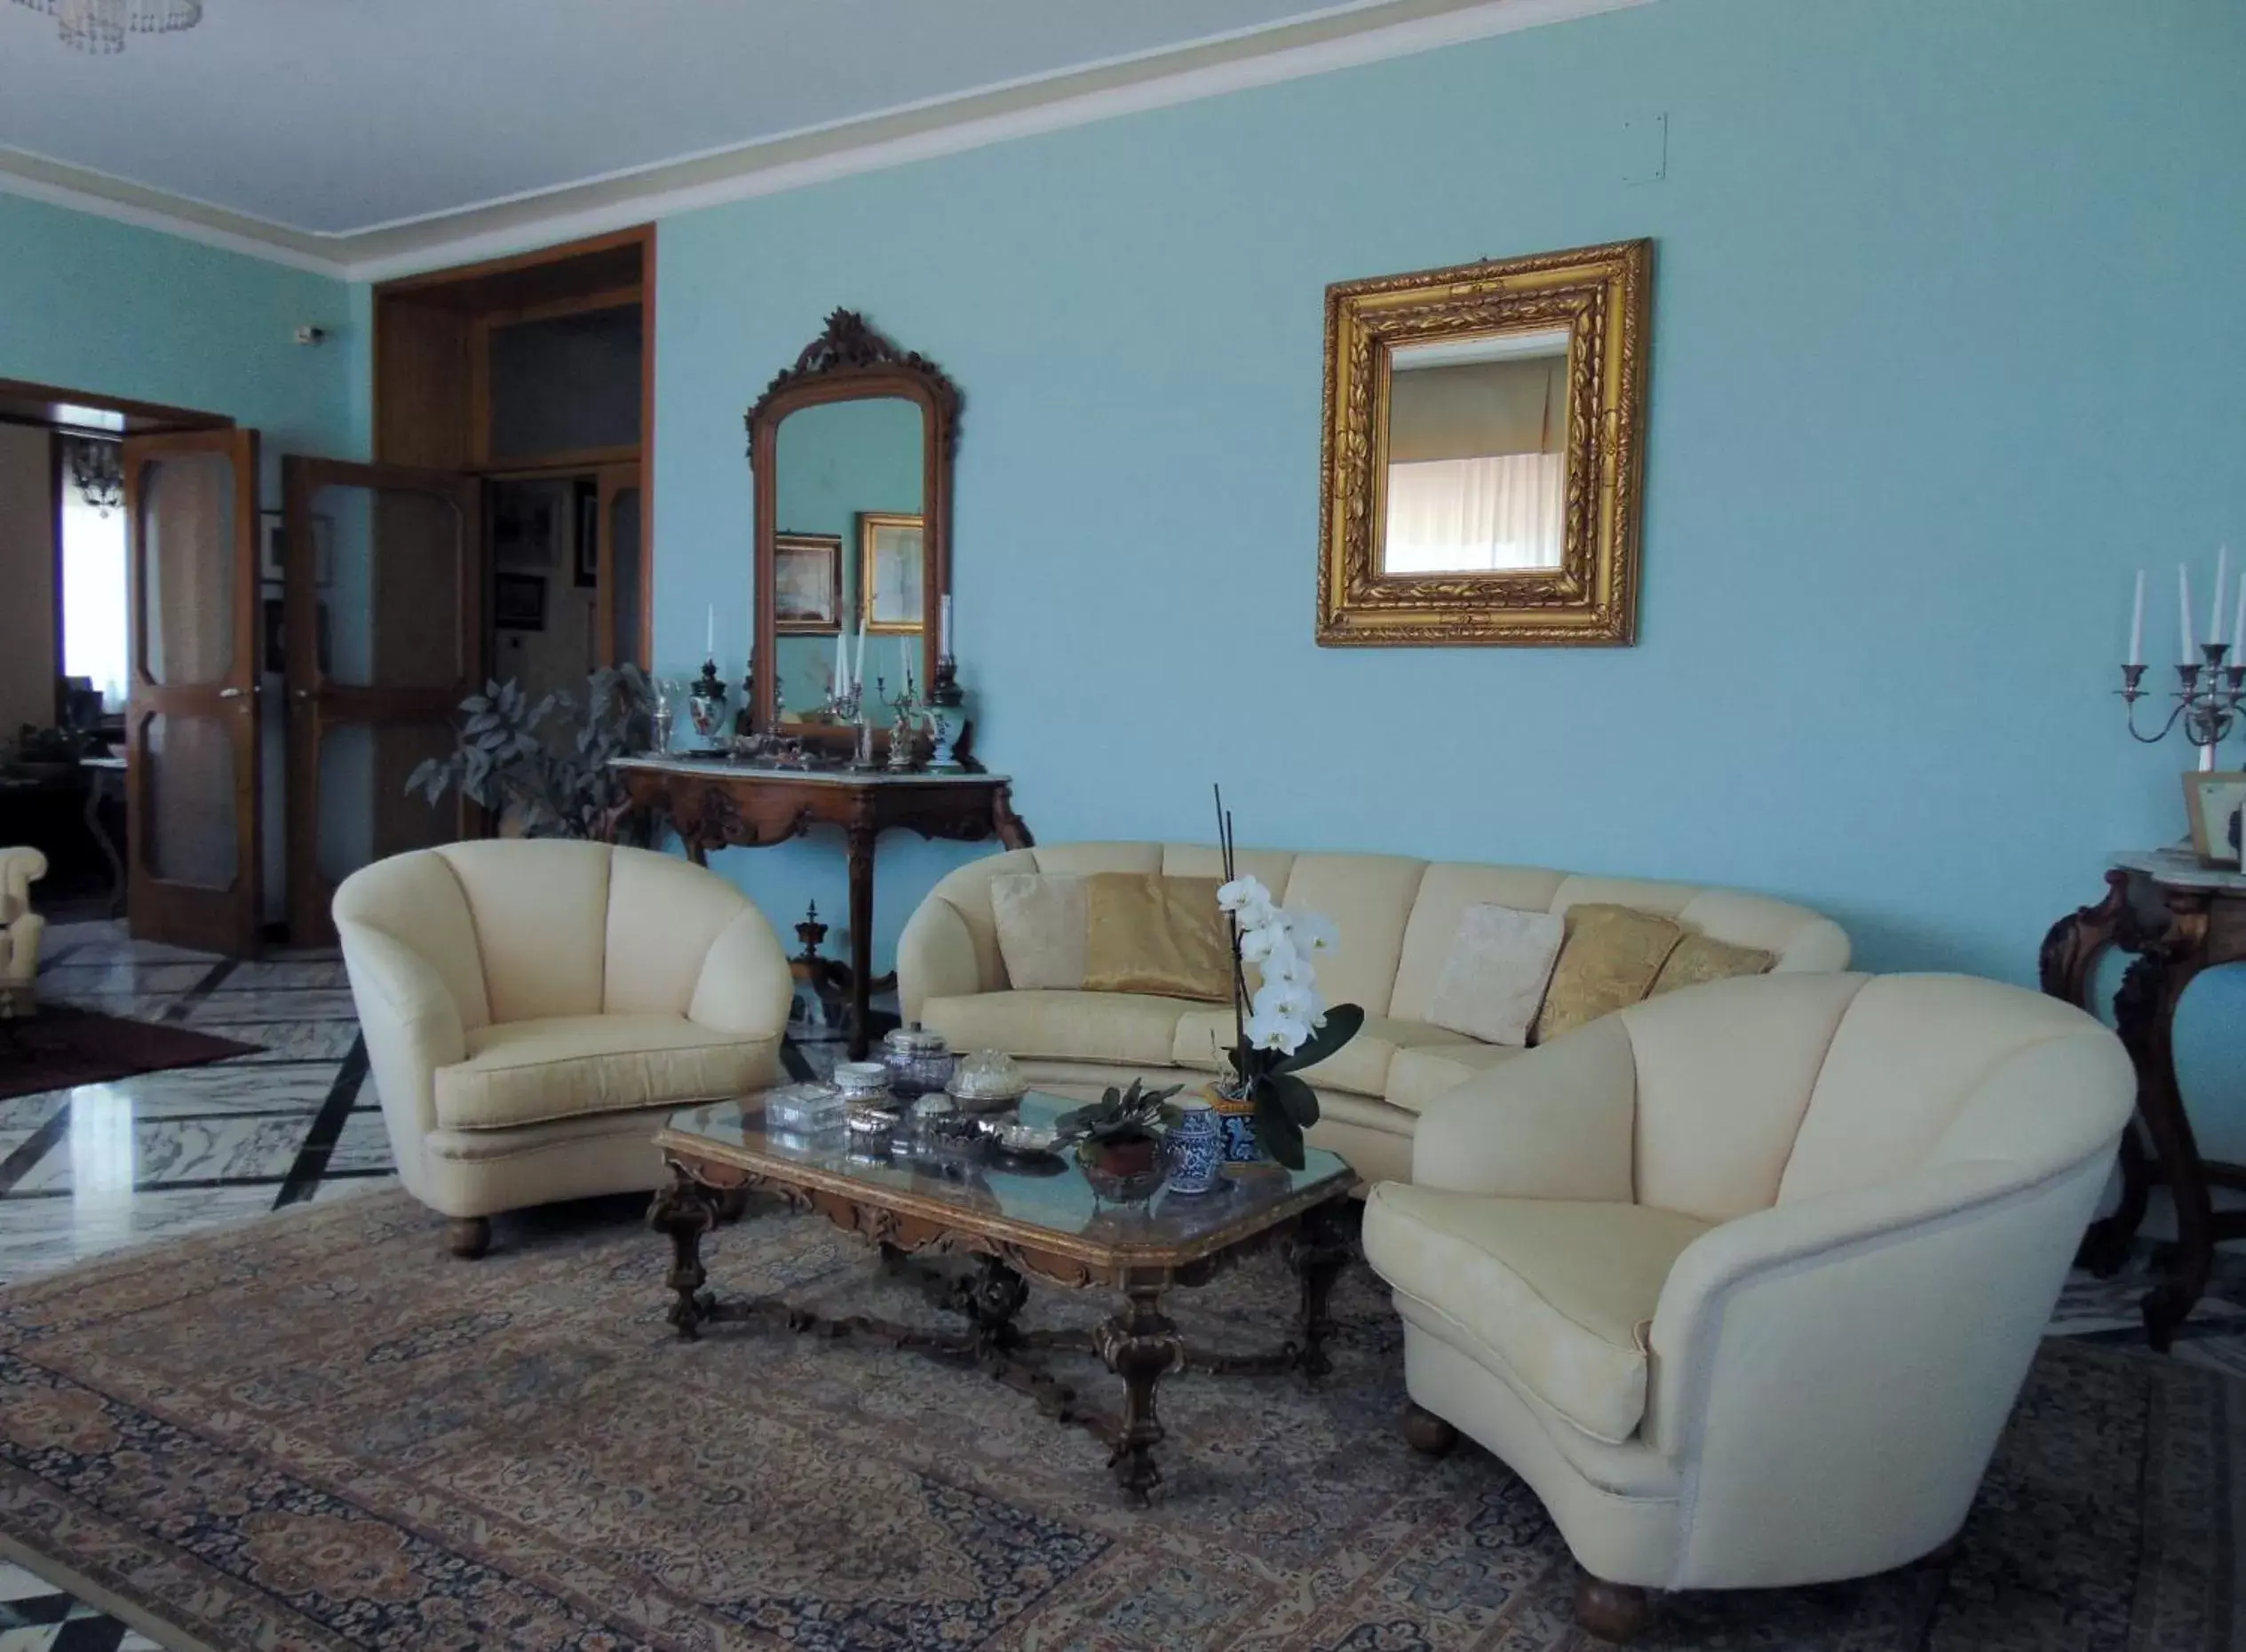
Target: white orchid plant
[(1284, 1026)]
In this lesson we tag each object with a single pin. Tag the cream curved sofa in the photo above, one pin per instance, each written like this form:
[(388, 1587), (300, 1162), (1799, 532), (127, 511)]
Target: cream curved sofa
[(1743, 1280), (532, 1009), (1397, 919), (20, 928)]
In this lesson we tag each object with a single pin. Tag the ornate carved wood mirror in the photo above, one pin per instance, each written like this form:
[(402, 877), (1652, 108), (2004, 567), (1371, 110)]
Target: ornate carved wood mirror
[(852, 451), (1484, 433)]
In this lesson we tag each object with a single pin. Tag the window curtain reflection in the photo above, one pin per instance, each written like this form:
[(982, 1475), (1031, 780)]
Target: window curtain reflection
[(1475, 515), (94, 594)]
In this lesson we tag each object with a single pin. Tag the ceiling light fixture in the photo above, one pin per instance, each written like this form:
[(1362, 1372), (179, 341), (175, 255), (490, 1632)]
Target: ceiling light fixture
[(99, 27)]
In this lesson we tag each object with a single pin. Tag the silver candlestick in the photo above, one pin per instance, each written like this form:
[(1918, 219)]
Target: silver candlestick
[(2208, 699)]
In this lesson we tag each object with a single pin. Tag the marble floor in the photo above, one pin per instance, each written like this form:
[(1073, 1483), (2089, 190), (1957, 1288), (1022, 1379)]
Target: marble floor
[(102, 1166)]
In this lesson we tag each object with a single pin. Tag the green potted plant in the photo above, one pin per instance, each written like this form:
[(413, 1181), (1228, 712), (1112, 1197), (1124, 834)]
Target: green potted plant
[(545, 789), (1121, 1133)]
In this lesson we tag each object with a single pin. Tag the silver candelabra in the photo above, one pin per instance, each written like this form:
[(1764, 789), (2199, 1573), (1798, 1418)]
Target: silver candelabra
[(2208, 697)]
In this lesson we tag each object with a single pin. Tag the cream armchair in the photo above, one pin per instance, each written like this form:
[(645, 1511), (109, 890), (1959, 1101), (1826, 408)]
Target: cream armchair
[(1743, 1281), (20, 928), (532, 1009)]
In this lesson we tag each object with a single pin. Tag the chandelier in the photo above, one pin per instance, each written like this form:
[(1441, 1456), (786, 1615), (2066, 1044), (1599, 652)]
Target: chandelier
[(95, 471), (101, 26)]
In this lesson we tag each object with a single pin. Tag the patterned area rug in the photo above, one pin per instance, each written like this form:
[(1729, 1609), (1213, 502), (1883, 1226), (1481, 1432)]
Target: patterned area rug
[(320, 1431)]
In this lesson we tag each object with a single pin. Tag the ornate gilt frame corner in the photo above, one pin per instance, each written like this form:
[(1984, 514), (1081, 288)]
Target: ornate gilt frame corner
[(1603, 295)]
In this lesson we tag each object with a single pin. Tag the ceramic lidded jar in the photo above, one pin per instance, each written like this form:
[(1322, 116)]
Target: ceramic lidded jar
[(918, 1060), (862, 1082), (1195, 1147)]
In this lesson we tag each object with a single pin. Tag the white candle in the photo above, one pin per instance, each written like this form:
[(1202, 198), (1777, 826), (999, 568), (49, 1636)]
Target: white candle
[(710, 642), (904, 666), (2238, 624), (842, 661), (2184, 610), (944, 644), (2215, 609), (2137, 623), (858, 678)]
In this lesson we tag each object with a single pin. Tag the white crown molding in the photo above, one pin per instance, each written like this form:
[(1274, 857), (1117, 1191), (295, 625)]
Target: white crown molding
[(1345, 37)]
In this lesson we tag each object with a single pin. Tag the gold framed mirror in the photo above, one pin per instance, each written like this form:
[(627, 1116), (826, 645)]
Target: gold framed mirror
[(1483, 449), (852, 451)]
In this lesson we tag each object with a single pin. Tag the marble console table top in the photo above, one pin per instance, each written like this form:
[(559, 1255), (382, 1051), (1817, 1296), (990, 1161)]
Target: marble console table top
[(2179, 868), (726, 769)]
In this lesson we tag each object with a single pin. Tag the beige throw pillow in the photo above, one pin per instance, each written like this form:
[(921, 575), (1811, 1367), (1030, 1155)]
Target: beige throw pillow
[(1041, 919), (1699, 959), (1608, 962), (1493, 979)]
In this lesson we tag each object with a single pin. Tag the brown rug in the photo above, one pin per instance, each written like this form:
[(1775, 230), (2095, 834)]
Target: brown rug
[(323, 1432), (61, 1046)]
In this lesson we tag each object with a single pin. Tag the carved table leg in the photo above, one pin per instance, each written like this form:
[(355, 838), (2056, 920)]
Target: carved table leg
[(1318, 1251), (1141, 1346), (2105, 1250), (1012, 830), (2066, 965), (684, 1210), (860, 835), (2145, 1014)]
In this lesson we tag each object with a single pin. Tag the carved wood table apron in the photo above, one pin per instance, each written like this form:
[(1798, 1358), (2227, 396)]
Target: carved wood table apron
[(712, 803), (1015, 1226), (2178, 918)]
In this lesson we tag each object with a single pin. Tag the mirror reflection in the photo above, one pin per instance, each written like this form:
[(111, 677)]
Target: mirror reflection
[(1477, 460), (848, 564)]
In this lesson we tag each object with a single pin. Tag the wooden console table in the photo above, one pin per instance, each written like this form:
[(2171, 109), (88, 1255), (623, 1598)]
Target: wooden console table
[(2178, 918), (712, 803)]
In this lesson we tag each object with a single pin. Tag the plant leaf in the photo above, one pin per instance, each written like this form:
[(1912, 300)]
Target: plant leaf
[(1278, 1135), (1290, 1095), (1342, 1023)]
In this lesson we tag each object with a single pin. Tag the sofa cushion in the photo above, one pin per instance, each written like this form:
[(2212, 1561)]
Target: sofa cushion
[(1419, 1077), (1699, 960), (1149, 933), (569, 1066), (1127, 1028), (1203, 1041), (1553, 1294), (1607, 962), (1041, 928), (1492, 981)]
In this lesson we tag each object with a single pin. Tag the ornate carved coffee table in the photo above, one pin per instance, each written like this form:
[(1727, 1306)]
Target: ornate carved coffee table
[(1015, 1225)]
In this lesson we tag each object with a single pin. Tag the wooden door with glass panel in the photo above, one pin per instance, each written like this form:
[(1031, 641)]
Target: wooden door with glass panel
[(191, 718), (384, 638)]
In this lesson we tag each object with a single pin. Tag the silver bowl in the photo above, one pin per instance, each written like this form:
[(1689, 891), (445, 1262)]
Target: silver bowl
[(1013, 1136)]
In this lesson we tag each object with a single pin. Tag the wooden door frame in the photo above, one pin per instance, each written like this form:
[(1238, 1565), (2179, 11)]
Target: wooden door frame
[(159, 907), (316, 703), (500, 286)]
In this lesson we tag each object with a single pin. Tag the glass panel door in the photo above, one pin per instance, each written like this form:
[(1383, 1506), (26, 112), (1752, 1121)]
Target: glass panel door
[(192, 754), (383, 641), (621, 627)]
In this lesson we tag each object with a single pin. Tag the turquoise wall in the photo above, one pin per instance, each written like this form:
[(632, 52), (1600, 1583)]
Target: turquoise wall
[(100, 306), (1943, 352)]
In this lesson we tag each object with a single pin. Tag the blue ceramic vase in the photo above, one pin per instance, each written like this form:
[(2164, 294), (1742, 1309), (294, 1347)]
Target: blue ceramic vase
[(1194, 1146)]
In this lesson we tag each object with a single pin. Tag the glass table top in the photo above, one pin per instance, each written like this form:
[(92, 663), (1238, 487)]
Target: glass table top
[(1051, 1192)]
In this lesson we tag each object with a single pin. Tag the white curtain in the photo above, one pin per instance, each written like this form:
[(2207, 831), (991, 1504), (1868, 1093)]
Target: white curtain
[(93, 595), (1473, 515)]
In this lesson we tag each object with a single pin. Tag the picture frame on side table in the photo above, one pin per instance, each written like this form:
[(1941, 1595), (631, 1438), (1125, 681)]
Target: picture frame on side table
[(2215, 802)]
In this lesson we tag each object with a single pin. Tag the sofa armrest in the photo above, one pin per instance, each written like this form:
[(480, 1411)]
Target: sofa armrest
[(936, 959), (412, 1027), (20, 867), (1854, 1354), (20, 949), (1553, 1123), (745, 987)]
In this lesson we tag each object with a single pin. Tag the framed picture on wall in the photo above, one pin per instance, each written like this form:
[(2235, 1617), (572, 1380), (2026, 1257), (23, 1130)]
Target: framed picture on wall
[(586, 558), (806, 584), (528, 521), (273, 546), (518, 601), (273, 611), (2216, 802), (890, 571)]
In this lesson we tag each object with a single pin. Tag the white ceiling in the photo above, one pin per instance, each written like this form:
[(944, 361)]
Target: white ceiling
[(323, 120)]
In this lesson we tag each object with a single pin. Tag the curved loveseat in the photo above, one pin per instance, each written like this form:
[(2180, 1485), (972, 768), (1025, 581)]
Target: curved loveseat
[(1397, 917)]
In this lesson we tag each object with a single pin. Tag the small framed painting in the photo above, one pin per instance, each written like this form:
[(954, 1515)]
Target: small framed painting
[(518, 601), (272, 548), (891, 571), (2215, 803), (806, 584)]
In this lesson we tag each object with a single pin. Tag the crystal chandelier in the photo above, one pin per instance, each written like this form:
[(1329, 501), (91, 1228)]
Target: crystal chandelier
[(95, 470), (101, 26)]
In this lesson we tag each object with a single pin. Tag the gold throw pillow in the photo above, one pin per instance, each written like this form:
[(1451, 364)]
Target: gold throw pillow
[(1610, 960), (1145, 932), (1699, 959)]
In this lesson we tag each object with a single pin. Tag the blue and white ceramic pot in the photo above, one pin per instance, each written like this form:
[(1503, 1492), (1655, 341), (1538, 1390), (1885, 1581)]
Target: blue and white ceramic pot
[(1194, 1146), (1236, 1123)]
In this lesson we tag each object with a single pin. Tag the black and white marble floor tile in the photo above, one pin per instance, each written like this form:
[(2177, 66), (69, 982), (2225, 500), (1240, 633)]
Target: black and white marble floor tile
[(290, 1041), (36, 1617), (226, 1007), (285, 973)]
